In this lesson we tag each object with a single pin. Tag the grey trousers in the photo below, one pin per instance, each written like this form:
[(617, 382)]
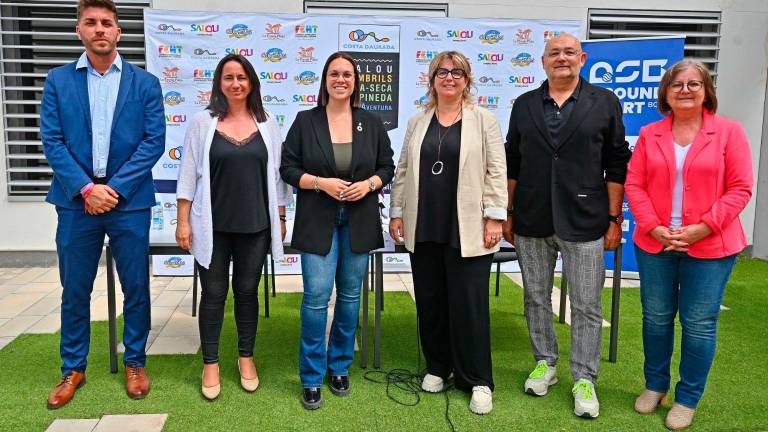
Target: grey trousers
[(584, 269)]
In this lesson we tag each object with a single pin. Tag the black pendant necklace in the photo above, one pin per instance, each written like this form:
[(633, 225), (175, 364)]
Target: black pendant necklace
[(437, 167)]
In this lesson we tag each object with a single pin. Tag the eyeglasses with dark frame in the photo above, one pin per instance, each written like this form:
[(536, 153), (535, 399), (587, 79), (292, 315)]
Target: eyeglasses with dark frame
[(457, 73), (693, 86)]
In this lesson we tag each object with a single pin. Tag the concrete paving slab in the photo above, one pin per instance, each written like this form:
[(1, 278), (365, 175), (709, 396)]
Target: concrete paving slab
[(174, 345), (72, 425), (47, 325), (12, 305), (45, 306), (181, 323), (169, 298), (18, 325), (28, 275), (131, 423), (5, 341), (51, 275)]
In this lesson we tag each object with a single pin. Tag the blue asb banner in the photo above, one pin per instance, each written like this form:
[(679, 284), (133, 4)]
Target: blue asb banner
[(632, 69)]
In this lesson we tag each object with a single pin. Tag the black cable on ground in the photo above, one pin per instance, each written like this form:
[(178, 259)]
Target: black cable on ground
[(408, 382)]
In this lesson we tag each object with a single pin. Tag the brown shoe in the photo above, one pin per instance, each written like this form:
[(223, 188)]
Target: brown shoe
[(136, 382), (679, 417), (65, 390)]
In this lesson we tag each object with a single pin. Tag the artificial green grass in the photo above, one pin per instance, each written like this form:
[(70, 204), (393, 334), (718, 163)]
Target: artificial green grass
[(736, 398)]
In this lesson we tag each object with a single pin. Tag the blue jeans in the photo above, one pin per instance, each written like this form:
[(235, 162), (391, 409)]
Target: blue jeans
[(318, 273), (672, 281)]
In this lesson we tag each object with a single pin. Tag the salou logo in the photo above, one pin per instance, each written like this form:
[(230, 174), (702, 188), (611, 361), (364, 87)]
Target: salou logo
[(305, 31), (204, 54), (272, 31), (521, 80), (460, 35), (490, 58), (523, 36), (488, 102), (426, 35), (173, 98), (306, 55), (425, 56), (169, 29), (421, 102), (551, 34), (171, 75), (522, 60), (245, 52), (175, 119), (488, 81), (169, 51), (273, 100), (290, 259), (306, 78), (239, 31), (204, 29), (273, 77), (633, 81), (305, 99), (174, 262), (273, 55), (491, 37), (203, 98), (202, 75)]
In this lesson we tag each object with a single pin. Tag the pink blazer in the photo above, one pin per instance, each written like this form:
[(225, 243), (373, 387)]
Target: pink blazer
[(717, 184)]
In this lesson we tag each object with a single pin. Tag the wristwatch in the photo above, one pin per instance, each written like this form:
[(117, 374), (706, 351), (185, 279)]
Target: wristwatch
[(371, 185), (618, 220)]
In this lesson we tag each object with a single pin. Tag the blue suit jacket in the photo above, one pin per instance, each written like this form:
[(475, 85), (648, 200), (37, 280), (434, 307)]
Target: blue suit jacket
[(137, 141)]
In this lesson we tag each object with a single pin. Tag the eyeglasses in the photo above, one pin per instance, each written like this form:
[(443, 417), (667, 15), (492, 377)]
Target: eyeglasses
[(569, 53), (693, 85), (442, 73)]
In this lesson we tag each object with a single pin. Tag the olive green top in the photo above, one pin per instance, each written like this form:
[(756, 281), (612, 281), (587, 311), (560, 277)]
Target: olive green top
[(342, 153)]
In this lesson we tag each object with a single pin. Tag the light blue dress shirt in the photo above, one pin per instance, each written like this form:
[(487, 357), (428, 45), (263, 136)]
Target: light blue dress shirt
[(102, 96)]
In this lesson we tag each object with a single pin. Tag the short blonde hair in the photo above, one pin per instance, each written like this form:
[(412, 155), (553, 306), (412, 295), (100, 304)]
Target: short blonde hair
[(460, 61), (710, 97)]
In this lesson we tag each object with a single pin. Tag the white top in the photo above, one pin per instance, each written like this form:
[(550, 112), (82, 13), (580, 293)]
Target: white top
[(676, 219), (195, 183)]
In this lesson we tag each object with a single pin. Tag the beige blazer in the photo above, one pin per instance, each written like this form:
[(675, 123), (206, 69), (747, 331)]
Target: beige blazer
[(482, 188)]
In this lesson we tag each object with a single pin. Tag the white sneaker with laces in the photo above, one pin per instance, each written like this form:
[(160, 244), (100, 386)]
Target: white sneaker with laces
[(482, 400), (585, 403), (432, 384), (541, 378)]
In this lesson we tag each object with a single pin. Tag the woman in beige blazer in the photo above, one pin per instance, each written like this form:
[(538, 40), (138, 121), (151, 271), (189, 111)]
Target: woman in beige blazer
[(448, 202)]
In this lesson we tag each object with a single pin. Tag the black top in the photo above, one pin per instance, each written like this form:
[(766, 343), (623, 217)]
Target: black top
[(557, 116), (438, 220), (239, 184)]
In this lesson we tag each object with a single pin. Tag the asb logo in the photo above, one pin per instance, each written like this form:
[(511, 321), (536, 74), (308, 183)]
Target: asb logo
[(490, 58), (173, 98), (551, 34), (522, 60), (273, 100), (174, 262), (169, 29), (204, 29), (488, 102), (175, 153), (203, 98), (273, 55), (523, 36), (522, 80), (245, 52), (306, 78), (239, 31), (421, 102), (202, 75), (175, 119), (305, 99), (648, 71), (491, 37), (425, 35), (204, 54), (272, 31), (306, 55), (169, 51), (305, 31), (425, 56), (488, 81), (273, 77), (460, 35), (171, 75)]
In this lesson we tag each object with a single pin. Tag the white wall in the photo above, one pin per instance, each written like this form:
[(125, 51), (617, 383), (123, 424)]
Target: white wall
[(741, 80)]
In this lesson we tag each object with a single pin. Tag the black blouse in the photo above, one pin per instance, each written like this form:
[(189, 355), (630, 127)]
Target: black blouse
[(438, 219), (239, 197)]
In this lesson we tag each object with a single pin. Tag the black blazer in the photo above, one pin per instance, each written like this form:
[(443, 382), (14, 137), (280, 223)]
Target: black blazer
[(308, 149), (561, 189)]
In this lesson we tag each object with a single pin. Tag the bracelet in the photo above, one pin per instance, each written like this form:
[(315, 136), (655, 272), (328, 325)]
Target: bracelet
[(86, 190), (510, 211), (282, 218), (314, 184)]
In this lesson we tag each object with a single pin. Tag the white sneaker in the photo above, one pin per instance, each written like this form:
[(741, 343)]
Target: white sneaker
[(482, 400), (541, 378), (432, 384), (585, 403)]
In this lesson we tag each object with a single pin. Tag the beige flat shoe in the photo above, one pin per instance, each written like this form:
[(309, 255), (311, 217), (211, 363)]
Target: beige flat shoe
[(649, 400), (211, 393), (679, 417), (249, 385)]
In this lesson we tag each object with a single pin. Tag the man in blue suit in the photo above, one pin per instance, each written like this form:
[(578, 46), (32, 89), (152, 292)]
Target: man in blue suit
[(103, 129)]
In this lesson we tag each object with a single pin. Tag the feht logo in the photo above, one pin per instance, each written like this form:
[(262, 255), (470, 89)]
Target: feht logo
[(649, 71), (204, 54), (306, 78), (488, 102), (460, 35), (245, 52), (491, 37), (521, 80), (203, 98), (273, 55), (204, 29), (426, 35), (425, 56), (305, 31), (169, 29), (169, 51), (175, 119), (203, 75), (360, 35), (239, 31), (171, 75), (305, 99), (175, 153), (272, 31), (306, 55), (273, 77), (522, 60), (523, 36), (551, 34), (173, 98), (490, 58)]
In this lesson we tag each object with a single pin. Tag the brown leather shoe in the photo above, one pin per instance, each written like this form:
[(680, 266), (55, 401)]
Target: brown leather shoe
[(136, 382), (65, 390)]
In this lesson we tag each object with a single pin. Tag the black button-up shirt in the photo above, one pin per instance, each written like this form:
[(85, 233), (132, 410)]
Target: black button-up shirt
[(557, 116)]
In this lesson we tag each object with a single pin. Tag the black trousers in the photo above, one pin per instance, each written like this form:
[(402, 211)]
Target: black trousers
[(247, 253), (454, 319)]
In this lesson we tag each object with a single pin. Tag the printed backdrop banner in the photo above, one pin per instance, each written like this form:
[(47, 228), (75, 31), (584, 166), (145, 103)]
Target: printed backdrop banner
[(632, 69)]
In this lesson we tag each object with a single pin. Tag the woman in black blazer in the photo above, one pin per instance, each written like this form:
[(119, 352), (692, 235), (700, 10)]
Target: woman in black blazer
[(337, 155)]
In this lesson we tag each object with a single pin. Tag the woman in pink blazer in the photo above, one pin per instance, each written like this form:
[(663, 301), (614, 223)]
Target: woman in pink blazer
[(689, 178)]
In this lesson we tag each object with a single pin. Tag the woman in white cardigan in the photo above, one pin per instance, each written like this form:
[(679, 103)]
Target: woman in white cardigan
[(231, 204)]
